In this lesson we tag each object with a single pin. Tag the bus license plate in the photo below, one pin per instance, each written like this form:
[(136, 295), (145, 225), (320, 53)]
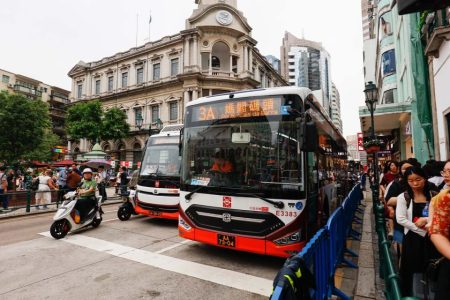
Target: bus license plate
[(155, 213), (226, 240)]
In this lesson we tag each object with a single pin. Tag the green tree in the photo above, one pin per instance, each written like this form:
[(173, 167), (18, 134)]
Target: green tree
[(23, 123), (83, 120), (87, 120), (114, 125), (43, 152)]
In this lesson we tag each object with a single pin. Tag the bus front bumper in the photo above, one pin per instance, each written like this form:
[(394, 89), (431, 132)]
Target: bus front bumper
[(239, 243)]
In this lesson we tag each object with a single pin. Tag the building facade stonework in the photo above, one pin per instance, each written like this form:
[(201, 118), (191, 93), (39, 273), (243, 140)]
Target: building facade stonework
[(214, 54)]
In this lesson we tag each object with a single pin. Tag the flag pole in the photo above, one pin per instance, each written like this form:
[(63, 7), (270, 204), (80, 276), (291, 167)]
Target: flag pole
[(149, 25), (137, 28)]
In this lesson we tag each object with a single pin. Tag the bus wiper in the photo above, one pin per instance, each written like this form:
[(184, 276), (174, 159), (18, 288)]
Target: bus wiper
[(154, 173), (277, 204), (189, 196)]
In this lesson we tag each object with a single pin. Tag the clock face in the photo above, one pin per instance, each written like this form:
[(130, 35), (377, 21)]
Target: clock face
[(223, 17)]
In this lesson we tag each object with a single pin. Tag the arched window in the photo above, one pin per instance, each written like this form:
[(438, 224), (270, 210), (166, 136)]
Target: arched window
[(137, 154), (122, 152)]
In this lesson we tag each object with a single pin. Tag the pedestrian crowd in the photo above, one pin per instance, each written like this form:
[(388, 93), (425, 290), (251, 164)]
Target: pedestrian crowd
[(45, 181), (417, 206)]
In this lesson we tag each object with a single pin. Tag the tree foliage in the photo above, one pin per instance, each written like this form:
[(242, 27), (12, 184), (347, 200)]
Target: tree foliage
[(23, 123), (43, 152), (87, 120), (114, 125), (83, 120)]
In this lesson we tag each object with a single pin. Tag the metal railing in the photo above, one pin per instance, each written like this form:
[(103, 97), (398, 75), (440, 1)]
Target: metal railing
[(326, 250), (387, 270), (27, 199)]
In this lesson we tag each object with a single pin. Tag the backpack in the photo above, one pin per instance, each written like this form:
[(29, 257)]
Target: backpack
[(296, 280)]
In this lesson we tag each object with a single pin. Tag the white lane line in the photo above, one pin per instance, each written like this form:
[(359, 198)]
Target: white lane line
[(110, 220), (216, 275), (173, 247)]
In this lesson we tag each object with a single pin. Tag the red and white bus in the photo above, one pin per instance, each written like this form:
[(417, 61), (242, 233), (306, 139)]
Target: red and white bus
[(258, 170), (157, 192)]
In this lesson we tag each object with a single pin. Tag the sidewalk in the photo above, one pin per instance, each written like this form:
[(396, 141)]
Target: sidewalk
[(361, 283), (110, 192)]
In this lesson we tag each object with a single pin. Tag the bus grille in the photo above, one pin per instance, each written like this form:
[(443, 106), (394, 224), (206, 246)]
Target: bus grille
[(234, 221)]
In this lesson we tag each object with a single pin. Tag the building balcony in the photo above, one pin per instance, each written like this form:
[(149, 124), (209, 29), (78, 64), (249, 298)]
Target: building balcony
[(26, 90), (220, 73), (59, 98), (435, 30)]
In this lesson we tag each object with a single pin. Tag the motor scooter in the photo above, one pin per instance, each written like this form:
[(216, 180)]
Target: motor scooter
[(67, 219), (129, 203)]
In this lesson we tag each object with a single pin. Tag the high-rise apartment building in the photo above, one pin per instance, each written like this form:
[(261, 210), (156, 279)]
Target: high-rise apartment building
[(307, 64), (335, 108), (275, 62)]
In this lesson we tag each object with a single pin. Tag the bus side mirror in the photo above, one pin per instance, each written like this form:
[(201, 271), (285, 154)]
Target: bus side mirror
[(180, 141), (310, 138)]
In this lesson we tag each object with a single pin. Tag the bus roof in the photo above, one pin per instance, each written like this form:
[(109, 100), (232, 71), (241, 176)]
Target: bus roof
[(301, 91), (169, 130)]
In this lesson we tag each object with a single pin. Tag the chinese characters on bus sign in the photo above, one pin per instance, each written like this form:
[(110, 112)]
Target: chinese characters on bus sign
[(237, 109)]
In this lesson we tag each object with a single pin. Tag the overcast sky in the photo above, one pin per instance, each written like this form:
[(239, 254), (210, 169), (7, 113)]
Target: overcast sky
[(44, 39)]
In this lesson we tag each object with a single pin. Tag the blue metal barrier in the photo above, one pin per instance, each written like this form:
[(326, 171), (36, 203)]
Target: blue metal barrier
[(325, 251)]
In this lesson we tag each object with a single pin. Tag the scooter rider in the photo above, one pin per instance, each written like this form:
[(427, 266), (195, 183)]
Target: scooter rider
[(87, 194)]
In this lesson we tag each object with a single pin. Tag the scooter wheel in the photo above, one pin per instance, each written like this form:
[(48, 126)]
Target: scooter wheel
[(124, 213), (59, 229), (96, 222)]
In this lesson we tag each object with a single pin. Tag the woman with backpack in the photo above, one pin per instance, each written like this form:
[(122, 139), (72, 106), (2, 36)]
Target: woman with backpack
[(412, 214)]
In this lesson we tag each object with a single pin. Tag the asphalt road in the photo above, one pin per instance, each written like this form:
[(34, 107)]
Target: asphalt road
[(138, 259)]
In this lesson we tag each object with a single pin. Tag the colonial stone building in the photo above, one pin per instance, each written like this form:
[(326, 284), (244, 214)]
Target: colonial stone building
[(215, 53)]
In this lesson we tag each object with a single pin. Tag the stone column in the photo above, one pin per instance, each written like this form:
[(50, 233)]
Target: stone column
[(231, 64), (186, 97), (186, 52), (210, 63), (250, 59), (245, 59), (195, 94), (195, 50)]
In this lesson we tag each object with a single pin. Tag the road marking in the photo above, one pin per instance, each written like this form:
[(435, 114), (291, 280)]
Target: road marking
[(173, 247), (110, 220), (233, 279)]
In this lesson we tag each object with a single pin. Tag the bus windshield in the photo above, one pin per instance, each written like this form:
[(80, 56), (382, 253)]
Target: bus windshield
[(161, 157), (258, 155)]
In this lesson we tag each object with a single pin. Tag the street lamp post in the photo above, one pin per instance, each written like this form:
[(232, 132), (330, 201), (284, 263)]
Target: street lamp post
[(139, 121), (371, 92)]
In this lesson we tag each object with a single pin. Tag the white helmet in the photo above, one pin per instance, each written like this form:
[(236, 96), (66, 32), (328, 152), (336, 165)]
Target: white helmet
[(87, 170)]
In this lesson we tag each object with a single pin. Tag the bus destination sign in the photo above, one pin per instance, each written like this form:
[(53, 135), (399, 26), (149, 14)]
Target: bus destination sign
[(238, 109)]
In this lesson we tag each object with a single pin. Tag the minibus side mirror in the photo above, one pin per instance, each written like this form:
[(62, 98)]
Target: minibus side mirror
[(180, 141)]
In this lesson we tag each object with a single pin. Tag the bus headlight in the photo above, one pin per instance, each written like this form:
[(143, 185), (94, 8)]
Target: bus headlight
[(289, 239), (184, 224)]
